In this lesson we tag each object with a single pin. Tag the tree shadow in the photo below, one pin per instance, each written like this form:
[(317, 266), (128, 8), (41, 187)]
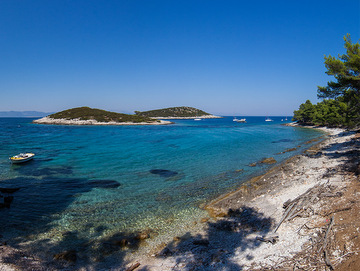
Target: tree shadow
[(235, 233), (36, 199), (348, 151), (77, 253)]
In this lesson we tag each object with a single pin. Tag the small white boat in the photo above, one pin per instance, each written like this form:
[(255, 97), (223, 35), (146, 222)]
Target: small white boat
[(268, 119), (21, 158), (239, 120), (197, 119)]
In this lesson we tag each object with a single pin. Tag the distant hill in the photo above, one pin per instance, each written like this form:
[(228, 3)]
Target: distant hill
[(174, 112), (22, 114), (87, 113)]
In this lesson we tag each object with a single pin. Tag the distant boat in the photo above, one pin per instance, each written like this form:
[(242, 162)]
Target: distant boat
[(197, 119), (285, 118), (268, 119), (239, 120), (22, 158)]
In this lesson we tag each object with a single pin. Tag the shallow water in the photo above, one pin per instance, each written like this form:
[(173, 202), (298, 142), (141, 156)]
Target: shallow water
[(96, 181)]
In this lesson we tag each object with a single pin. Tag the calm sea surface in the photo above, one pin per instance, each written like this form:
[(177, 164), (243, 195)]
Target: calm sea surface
[(96, 181)]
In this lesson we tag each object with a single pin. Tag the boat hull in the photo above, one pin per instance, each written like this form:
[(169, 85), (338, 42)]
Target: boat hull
[(22, 158)]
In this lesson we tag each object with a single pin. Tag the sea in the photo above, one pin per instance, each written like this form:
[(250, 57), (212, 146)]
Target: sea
[(88, 184)]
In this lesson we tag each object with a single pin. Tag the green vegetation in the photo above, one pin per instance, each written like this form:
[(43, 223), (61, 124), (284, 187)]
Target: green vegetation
[(331, 113), (86, 113), (177, 112), (341, 98)]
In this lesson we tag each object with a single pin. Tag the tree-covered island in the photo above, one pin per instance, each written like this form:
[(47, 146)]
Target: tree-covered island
[(181, 112), (341, 98), (93, 116)]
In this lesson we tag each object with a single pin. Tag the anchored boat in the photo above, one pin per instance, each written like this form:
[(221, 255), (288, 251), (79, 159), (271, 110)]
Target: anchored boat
[(22, 158)]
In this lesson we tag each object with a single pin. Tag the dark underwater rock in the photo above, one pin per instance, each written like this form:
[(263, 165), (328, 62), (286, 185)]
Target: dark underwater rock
[(7, 202), (268, 161), (104, 183), (164, 173), (8, 190)]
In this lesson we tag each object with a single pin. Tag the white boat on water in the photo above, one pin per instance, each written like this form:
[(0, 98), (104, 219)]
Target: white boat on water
[(21, 158), (239, 120), (197, 119), (268, 119)]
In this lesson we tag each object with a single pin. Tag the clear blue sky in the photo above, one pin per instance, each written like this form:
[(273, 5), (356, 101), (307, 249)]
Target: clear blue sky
[(225, 57)]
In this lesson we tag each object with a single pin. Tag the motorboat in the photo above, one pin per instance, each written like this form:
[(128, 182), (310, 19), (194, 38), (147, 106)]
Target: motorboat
[(239, 120), (268, 119), (197, 119), (22, 158)]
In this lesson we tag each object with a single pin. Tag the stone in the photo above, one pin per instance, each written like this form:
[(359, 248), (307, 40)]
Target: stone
[(69, 256), (143, 234), (268, 161), (8, 190)]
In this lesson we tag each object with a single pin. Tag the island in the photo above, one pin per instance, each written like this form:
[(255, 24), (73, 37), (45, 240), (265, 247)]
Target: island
[(93, 116), (181, 112)]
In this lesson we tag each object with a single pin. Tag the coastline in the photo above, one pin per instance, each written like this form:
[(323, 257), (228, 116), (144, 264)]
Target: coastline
[(227, 240), (47, 120), (239, 231)]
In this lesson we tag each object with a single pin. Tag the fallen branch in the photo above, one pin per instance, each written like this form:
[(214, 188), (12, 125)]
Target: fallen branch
[(285, 215), (350, 252), (337, 210), (327, 232), (327, 261), (133, 267)]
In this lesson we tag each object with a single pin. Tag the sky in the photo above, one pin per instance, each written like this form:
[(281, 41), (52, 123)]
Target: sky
[(226, 57)]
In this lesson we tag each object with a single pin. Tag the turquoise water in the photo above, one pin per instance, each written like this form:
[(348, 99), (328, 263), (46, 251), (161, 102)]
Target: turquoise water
[(94, 181)]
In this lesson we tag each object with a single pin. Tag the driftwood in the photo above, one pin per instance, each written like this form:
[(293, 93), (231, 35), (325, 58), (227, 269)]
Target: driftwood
[(133, 267), (337, 210), (289, 208), (325, 243), (297, 206), (327, 232)]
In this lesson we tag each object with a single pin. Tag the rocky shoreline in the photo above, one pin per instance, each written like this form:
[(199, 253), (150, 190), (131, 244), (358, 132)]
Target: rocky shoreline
[(298, 216), (48, 120)]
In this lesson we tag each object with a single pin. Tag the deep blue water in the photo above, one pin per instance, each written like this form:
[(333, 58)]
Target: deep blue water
[(94, 181)]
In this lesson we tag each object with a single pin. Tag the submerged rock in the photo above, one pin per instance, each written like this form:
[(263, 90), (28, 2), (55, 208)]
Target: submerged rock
[(142, 235), (7, 202), (268, 161), (288, 150), (8, 190), (164, 173)]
